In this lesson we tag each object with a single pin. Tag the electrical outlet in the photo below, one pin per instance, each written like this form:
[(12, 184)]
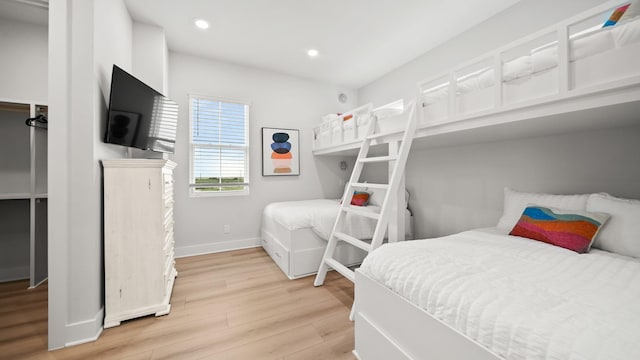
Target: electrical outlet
[(227, 228)]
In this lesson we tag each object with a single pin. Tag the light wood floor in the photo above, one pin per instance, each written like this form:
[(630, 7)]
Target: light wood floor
[(233, 305)]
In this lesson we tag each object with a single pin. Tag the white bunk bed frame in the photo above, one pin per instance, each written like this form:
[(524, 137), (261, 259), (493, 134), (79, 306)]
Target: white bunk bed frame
[(569, 109), (387, 326)]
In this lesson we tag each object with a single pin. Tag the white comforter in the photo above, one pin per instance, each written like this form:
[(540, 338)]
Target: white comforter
[(320, 215), (520, 298)]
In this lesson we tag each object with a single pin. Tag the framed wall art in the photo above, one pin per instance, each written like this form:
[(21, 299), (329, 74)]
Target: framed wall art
[(280, 152)]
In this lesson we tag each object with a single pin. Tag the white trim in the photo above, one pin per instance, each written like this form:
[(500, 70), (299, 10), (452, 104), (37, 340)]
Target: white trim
[(220, 246), (76, 331), (206, 194), (38, 284)]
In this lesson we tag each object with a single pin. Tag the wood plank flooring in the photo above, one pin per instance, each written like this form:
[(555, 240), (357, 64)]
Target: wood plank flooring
[(232, 305)]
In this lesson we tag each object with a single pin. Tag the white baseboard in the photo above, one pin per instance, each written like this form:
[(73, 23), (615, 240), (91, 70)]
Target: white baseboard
[(193, 250), (14, 273), (85, 331)]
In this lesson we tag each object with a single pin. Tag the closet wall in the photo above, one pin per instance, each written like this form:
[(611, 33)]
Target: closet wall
[(24, 80)]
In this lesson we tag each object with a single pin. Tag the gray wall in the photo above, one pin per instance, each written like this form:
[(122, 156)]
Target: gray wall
[(276, 101), (460, 187)]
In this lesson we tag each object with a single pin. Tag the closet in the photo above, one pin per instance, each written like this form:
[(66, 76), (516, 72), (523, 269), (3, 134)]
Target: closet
[(23, 192)]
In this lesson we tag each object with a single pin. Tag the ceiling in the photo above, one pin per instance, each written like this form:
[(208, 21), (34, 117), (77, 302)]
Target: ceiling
[(359, 40)]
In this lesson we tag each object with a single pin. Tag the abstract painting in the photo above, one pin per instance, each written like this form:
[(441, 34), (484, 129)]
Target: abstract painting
[(280, 152)]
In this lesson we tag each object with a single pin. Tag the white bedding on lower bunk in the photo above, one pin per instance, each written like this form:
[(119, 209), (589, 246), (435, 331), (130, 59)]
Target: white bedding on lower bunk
[(521, 299), (320, 215)]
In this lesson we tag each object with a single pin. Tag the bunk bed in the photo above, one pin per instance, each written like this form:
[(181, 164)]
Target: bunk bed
[(564, 78), (484, 294), (295, 233)]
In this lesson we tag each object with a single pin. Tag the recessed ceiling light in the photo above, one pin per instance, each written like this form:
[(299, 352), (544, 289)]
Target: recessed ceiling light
[(201, 23), (312, 53)]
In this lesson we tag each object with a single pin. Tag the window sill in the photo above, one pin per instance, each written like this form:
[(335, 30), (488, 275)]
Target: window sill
[(210, 194)]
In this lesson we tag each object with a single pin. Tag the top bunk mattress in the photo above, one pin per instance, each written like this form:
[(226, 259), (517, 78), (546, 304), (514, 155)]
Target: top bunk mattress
[(519, 298)]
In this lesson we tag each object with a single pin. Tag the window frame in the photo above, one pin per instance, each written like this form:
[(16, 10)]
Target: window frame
[(191, 183)]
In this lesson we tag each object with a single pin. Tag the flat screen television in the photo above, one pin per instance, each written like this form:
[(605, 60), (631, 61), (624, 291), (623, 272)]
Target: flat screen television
[(139, 116)]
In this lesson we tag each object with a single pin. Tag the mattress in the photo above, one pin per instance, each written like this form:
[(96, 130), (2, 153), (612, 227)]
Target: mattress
[(320, 215), (521, 299)]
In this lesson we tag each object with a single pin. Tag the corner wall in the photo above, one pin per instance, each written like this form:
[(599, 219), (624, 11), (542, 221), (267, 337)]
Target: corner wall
[(276, 101), (86, 38), (458, 188)]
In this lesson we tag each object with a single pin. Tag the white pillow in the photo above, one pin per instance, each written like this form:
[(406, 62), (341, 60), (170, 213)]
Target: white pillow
[(621, 234), (515, 202)]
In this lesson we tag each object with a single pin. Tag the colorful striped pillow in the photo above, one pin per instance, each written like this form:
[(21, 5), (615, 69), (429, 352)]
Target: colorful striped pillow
[(360, 198), (570, 229), (616, 15)]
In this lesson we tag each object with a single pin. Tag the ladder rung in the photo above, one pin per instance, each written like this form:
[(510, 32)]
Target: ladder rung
[(356, 210), (378, 159), (345, 271), (370, 185), (353, 241)]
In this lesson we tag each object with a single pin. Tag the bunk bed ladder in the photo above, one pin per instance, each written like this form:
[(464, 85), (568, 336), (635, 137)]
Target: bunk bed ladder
[(398, 161)]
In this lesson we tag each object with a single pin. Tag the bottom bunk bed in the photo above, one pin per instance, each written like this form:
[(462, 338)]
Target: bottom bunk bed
[(295, 233), (486, 295)]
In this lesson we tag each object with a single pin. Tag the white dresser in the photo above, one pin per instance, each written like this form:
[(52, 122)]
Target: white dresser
[(138, 238)]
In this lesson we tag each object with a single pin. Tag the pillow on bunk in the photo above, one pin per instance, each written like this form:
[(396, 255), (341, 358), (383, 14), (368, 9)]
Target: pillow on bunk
[(626, 34), (621, 234), (360, 198), (515, 202), (569, 229), (616, 15), (632, 12)]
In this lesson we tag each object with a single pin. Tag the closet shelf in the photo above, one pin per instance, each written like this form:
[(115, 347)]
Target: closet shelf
[(15, 196)]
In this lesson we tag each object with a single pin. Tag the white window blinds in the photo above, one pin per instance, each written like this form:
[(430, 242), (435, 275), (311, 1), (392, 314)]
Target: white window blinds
[(219, 146)]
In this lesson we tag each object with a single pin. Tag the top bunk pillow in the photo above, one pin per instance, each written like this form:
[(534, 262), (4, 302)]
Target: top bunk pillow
[(621, 234), (515, 202), (632, 12), (616, 15)]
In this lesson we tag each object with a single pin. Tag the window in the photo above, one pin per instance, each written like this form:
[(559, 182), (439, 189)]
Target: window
[(219, 147)]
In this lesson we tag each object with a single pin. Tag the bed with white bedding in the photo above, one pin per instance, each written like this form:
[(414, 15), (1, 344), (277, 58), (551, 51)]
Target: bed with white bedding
[(295, 233), (483, 294)]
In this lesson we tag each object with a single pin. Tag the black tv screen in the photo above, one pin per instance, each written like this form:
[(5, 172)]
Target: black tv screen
[(139, 116)]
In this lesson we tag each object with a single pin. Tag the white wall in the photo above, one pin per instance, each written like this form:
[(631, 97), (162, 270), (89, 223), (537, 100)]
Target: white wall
[(86, 38), (23, 61), (276, 101), (150, 56), (459, 188)]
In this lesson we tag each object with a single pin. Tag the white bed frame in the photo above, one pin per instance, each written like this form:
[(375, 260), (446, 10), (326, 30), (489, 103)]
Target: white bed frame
[(577, 103), (387, 326), (298, 252)]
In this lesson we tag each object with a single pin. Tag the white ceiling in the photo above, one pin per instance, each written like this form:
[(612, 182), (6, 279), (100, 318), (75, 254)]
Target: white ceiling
[(359, 40)]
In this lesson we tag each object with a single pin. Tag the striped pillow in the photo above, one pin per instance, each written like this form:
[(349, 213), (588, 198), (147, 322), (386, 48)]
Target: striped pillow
[(360, 198), (570, 229)]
